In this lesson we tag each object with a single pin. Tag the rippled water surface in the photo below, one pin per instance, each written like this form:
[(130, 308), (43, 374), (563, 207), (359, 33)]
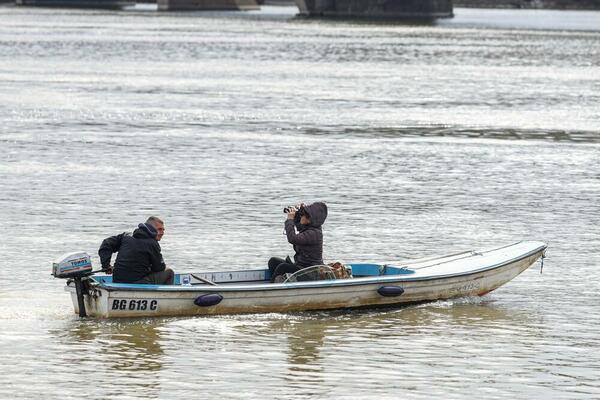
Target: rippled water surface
[(423, 139)]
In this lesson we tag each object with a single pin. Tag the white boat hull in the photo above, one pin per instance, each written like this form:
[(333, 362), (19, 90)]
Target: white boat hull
[(440, 278)]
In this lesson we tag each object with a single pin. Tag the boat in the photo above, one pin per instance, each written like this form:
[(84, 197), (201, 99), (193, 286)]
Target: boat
[(394, 284)]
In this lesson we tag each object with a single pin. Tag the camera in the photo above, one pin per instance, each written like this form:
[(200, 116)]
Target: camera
[(298, 208)]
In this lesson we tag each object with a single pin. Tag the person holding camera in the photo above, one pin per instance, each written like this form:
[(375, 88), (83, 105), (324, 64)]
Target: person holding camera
[(304, 233)]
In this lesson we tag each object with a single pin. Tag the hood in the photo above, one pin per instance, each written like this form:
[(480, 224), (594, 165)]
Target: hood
[(145, 231), (317, 212)]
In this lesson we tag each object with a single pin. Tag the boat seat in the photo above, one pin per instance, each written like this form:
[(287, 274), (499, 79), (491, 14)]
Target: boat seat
[(103, 279), (366, 270), (391, 270), (359, 270)]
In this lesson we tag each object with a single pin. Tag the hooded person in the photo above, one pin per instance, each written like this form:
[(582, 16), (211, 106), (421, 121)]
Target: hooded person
[(304, 233), (139, 258)]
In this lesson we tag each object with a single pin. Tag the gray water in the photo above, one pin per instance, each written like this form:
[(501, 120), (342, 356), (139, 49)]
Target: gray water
[(423, 139)]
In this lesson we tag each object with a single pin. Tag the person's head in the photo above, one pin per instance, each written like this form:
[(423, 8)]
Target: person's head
[(158, 224), (314, 214)]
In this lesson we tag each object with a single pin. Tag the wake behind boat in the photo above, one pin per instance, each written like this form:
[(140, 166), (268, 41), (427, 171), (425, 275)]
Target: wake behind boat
[(469, 273)]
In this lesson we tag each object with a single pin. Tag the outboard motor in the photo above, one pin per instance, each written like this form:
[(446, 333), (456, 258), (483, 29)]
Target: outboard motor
[(71, 265), (74, 266)]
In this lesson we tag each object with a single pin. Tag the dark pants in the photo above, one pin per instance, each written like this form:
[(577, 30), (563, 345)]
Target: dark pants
[(279, 266), (165, 277)]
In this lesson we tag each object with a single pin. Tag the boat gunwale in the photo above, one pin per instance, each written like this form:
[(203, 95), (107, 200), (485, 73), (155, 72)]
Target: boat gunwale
[(383, 279)]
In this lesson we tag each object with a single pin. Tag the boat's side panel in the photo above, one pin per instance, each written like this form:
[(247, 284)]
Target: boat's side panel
[(95, 302), (476, 284), (131, 303)]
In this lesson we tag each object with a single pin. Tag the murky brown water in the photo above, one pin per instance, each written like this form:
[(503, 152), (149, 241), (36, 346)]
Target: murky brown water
[(476, 131)]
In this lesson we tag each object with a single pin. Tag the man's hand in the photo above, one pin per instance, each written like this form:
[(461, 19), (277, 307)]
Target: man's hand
[(108, 270)]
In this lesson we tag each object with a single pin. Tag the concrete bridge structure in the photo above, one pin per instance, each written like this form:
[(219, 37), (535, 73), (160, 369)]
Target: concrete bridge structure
[(103, 4), (207, 5), (398, 9), (390, 9)]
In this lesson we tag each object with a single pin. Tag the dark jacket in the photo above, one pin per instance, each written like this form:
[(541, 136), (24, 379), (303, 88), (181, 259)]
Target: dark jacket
[(308, 242), (139, 254)]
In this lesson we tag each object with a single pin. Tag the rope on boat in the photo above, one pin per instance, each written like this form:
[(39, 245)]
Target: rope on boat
[(407, 263), (470, 253)]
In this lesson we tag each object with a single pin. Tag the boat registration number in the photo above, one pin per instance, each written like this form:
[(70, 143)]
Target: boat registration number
[(134, 304)]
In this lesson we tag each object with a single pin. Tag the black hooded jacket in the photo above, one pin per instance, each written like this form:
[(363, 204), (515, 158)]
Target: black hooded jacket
[(308, 242), (139, 254)]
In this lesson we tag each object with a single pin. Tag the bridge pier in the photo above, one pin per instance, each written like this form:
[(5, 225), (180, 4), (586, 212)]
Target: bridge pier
[(392, 9), (101, 4), (206, 5)]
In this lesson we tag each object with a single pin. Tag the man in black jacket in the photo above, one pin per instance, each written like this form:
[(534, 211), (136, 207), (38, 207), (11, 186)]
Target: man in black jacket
[(139, 258), (303, 231)]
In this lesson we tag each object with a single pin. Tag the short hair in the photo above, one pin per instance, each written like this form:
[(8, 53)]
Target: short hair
[(153, 220)]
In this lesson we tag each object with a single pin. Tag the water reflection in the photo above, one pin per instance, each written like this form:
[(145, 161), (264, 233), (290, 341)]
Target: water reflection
[(126, 353), (442, 131), (305, 342), (314, 339), (311, 354), (380, 322)]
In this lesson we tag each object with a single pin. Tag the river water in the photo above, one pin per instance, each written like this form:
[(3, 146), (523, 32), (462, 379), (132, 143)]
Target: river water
[(423, 139)]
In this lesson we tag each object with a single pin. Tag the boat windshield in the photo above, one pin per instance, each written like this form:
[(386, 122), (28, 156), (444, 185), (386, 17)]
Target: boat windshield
[(314, 273)]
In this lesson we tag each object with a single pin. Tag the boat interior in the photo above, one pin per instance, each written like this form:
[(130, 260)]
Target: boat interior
[(262, 276)]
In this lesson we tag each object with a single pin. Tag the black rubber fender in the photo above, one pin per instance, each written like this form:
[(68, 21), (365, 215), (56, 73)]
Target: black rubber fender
[(207, 300), (390, 291)]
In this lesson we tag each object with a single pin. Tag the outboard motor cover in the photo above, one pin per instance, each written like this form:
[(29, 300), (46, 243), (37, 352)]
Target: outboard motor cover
[(70, 265)]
